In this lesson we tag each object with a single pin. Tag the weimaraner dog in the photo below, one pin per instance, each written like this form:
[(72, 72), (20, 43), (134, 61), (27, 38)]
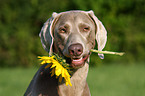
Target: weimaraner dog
[(72, 35)]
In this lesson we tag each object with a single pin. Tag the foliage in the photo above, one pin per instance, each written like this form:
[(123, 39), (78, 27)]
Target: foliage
[(21, 22)]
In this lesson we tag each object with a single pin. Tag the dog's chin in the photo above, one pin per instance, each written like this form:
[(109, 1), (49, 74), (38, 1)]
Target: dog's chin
[(77, 62)]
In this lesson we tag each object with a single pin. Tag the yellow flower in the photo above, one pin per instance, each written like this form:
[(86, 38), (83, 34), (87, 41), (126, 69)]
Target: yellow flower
[(57, 68)]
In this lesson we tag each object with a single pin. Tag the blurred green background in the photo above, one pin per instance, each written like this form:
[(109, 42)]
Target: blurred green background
[(21, 22)]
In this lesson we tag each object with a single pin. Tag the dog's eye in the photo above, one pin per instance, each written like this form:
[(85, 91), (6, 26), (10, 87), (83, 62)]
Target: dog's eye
[(62, 30), (86, 29)]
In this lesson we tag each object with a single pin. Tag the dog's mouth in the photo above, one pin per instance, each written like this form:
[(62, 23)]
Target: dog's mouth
[(77, 62)]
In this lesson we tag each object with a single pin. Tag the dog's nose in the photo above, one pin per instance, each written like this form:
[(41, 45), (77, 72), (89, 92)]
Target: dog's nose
[(75, 49)]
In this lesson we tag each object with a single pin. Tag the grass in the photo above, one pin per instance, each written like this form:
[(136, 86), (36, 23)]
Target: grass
[(107, 80), (13, 82), (117, 80)]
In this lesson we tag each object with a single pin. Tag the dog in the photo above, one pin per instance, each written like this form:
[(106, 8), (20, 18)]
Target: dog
[(72, 35)]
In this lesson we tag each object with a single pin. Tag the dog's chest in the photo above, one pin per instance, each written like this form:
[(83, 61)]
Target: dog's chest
[(78, 81)]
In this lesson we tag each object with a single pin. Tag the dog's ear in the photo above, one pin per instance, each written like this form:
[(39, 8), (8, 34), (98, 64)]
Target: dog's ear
[(46, 33), (101, 33)]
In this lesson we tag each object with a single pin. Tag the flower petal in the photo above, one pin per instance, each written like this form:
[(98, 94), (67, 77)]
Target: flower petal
[(52, 72), (60, 78), (57, 71), (48, 65)]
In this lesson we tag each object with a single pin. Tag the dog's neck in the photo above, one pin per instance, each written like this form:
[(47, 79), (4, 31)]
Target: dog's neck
[(78, 81)]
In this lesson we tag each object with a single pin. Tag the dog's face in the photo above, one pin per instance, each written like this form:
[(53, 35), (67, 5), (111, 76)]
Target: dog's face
[(74, 36)]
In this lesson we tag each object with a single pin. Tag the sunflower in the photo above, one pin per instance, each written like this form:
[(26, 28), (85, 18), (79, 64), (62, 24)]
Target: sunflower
[(59, 67)]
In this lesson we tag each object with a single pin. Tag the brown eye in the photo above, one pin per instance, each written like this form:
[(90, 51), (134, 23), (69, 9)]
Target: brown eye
[(62, 30)]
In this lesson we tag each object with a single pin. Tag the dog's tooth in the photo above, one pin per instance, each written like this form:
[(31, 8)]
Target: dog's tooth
[(78, 59)]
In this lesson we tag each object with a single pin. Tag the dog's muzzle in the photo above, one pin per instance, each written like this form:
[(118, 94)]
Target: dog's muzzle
[(76, 58)]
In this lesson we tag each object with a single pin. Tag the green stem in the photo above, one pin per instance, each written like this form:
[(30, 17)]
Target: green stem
[(107, 52)]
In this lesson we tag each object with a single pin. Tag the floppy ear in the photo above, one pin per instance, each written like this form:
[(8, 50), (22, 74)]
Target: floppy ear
[(46, 34), (101, 33)]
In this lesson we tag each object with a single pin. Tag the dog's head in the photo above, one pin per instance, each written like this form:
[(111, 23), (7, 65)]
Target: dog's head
[(72, 34)]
